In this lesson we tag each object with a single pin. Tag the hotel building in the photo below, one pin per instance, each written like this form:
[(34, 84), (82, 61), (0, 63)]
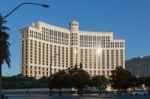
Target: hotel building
[(139, 66), (44, 45)]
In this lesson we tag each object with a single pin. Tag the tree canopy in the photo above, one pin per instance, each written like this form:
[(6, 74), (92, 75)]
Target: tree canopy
[(99, 81), (4, 44), (74, 78), (121, 79)]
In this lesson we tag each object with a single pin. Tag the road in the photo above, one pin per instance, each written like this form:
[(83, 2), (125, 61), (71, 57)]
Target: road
[(79, 97)]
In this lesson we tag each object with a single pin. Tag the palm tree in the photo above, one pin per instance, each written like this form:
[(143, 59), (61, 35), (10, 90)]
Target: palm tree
[(4, 49)]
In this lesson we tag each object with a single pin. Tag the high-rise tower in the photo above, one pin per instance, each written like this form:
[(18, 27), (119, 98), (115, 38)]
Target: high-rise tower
[(44, 45)]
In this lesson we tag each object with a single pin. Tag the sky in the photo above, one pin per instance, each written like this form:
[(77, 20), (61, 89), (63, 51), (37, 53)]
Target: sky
[(127, 19)]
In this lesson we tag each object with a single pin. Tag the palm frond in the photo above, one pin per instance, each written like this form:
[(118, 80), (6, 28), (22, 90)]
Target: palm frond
[(4, 45), (4, 21), (4, 36), (5, 28)]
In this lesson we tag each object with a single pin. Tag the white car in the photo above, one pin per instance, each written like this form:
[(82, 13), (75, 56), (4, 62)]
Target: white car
[(139, 92)]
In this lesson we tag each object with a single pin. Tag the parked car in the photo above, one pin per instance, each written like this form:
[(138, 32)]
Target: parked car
[(139, 92)]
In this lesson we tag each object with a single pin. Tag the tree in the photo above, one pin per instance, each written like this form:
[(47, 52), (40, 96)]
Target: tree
[(58, 81), (121, 79), (44, 81), (147, 82), (4, 48), (75, 77), (20, 81), (143, 80), (67, 80), (100, 82), (80, 80), (4, 45)]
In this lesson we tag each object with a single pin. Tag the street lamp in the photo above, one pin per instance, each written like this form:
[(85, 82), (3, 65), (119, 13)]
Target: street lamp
[(26, 3), (1, 28)]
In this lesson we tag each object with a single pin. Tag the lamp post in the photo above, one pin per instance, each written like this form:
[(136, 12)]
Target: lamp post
[(1, 29), (26, 3)]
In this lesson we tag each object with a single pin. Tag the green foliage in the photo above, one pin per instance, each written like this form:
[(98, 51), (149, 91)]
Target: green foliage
[(67, 80), (4, 48), (99, 81), (4, 44), (19, 81), (80, 79), (121, 79), (57, 81), (147, 81), (75, 77), (44, 81), (142, 80)]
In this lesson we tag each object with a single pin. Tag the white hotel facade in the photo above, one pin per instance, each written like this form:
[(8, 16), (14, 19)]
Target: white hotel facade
[(43, 45)]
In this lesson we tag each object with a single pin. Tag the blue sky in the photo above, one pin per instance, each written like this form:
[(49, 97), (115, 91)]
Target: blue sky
[(128, 19)]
